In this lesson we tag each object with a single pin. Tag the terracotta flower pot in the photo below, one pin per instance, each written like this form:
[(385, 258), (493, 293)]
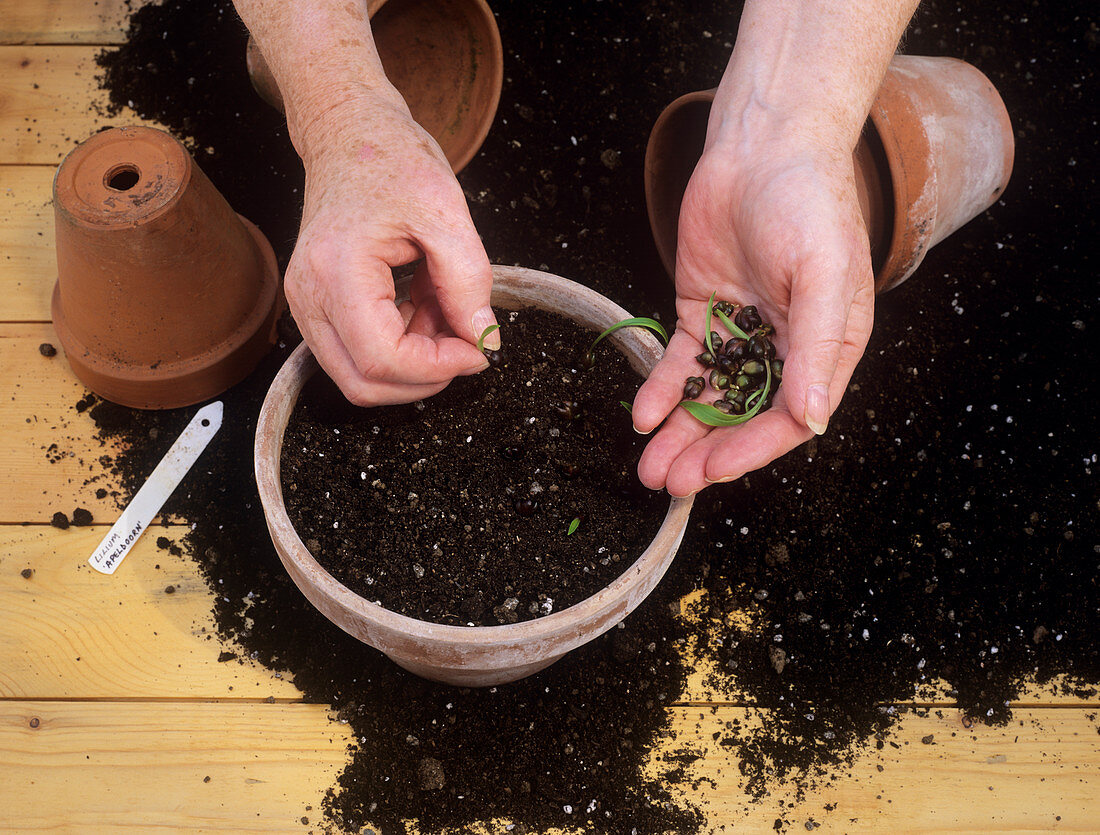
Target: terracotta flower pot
[(164, 296), (936, 152), (443, 56), (481, 655)]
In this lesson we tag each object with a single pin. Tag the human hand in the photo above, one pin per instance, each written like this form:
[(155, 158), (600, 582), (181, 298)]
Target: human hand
[(380, 194), (779, 226)]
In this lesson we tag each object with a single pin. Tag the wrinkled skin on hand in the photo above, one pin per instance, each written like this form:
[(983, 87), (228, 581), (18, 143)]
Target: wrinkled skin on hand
[(779, 228), (380, 194)]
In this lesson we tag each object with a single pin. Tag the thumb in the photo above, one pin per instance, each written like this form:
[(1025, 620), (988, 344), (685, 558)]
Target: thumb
[(463, 281), (817, 322)]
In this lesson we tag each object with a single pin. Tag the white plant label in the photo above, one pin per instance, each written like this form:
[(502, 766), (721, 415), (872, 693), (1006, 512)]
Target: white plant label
[(155, 492)]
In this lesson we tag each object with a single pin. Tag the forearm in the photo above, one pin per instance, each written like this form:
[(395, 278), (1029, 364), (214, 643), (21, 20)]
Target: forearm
[(807, 70), (322, 55)]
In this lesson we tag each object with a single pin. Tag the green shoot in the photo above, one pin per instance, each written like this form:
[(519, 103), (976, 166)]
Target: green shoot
[(589, 359), (636, 322), (760, 395), (730, 326), (711, 416), (576, 523), (485, 333), (626, 406), (706, 336)]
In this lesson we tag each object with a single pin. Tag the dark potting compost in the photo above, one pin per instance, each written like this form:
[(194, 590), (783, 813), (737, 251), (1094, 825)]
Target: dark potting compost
[(939, 541), (458, 509)]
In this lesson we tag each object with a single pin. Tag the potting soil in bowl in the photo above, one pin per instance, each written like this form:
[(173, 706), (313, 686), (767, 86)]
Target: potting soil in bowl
[(510, 495)]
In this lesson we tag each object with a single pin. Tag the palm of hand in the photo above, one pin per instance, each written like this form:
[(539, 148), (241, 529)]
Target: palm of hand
[(787, 237)]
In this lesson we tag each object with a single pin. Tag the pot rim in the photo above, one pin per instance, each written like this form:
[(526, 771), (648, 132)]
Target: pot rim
[(910, 167), (560, 631), (261, 317), (672, 110)]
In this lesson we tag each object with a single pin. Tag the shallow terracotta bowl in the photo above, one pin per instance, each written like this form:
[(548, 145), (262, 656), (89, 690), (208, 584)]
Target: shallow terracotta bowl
[(481, 655)]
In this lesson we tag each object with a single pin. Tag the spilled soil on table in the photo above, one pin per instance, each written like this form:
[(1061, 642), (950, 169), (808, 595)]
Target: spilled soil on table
[(944, 529)]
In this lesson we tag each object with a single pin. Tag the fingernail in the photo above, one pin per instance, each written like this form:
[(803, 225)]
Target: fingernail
[(723, 480), (639, 431), (483, 319), (687, 496), (817, 409)]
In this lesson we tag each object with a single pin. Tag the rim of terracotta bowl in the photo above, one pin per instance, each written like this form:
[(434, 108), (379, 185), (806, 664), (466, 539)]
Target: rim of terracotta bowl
[(469, 655)]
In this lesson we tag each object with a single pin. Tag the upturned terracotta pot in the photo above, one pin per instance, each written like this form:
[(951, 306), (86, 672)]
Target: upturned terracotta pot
[(443, 56), (164, 297), (936, 152), (477, 656)]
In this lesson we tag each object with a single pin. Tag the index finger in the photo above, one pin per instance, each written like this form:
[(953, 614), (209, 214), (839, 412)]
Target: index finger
[(664, 387)]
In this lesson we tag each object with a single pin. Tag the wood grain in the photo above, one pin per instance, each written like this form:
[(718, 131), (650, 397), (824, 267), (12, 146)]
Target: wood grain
[(65, 21), (49, 102), (1038, 773), (47, 448), (71, 632), (28, 267), (185, 766), (126, 636), (138, 766)]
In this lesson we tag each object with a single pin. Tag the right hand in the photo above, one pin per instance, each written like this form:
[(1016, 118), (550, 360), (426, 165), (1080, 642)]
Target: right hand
[(380, 194), (775, 224)]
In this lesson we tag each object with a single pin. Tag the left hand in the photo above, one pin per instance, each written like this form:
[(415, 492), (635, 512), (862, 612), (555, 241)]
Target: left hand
[(379, 194), (777, 225)]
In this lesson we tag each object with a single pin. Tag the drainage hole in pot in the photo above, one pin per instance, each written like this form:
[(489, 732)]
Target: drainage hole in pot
[(122, 177)]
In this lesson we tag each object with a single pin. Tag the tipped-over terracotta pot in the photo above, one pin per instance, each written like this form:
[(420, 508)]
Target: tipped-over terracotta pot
[(164, 297), (476, 656), (936, 152), (443, 56)]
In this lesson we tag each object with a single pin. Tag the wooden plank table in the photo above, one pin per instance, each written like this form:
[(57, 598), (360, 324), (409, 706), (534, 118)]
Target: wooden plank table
[(114, 711)]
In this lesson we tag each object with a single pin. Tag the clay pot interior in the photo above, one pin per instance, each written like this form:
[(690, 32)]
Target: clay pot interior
[(677, 142), (164, 297), (443, 56), (477, 656), (936, 152)]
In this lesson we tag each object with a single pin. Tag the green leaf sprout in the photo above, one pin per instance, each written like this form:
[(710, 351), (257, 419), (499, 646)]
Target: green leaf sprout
[(730, 325), (485, 333), (706, 336), (708, 414), (589, 358)]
